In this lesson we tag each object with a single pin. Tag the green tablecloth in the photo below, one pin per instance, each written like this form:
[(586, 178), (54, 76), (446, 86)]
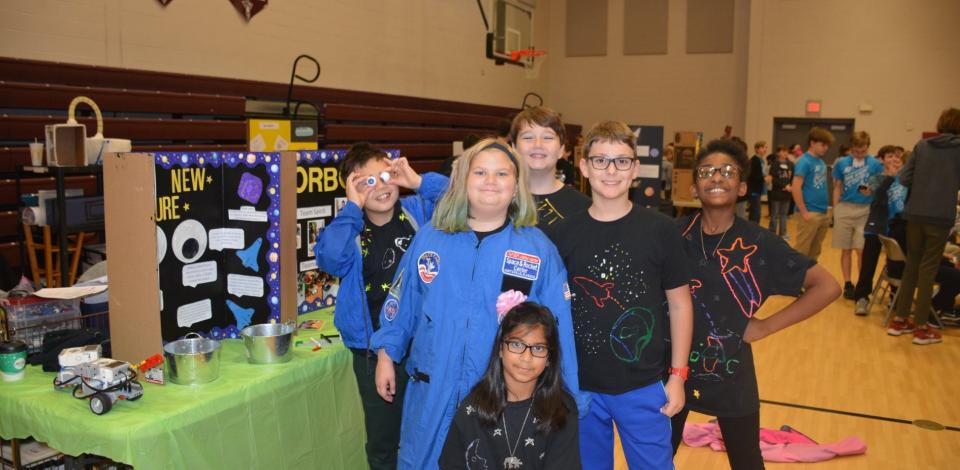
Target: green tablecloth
[(305, 414)]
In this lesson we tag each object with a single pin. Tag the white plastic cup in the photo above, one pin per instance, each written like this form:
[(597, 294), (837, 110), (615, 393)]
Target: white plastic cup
[(36, 153)]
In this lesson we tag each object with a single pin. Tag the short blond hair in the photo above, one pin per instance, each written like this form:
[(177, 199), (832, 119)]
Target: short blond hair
[(453, 210)]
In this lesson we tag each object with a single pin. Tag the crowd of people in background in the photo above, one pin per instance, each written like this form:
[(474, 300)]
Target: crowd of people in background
[(503, 317)]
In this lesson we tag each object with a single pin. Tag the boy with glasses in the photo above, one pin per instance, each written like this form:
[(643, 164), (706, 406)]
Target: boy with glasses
[(626, 270), (809, 190)]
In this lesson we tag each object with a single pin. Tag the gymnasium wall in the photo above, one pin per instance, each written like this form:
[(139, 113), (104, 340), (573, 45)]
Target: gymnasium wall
[(425, 48), (695, 92), (900, 56)]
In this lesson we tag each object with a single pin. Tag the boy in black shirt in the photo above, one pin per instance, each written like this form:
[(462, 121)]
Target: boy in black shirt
[(626, 269), (538, 136), (736, 266), (781, 175)]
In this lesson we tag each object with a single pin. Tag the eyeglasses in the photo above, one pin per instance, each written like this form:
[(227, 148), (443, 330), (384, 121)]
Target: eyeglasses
[(727, 171), (519, 347), (620, 163)]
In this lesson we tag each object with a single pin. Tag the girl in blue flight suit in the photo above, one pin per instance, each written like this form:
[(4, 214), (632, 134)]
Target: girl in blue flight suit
[(483, 243)]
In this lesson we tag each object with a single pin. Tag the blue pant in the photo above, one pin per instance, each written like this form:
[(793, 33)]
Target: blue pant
[(644, 430)]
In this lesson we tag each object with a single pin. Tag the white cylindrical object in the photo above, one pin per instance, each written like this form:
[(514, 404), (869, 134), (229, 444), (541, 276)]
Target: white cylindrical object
[(36, 153)]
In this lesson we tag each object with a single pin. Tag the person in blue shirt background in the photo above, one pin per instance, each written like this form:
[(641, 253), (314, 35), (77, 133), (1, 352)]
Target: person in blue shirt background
[(851, 203), (810, 193), (441, 307), (888, 198), (362, 246)]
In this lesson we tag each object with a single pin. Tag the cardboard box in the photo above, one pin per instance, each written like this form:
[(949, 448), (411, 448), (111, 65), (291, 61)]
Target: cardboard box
[(199, 242)]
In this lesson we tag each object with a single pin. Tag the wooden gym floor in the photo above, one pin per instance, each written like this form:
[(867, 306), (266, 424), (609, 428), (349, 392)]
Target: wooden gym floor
[(814, 375)]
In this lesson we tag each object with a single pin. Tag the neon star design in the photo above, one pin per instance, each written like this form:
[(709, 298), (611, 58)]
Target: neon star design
[(528, 442), (696, 394), (741, 255), (497, 432), (209, 179), (367, 288), (364, 251), (403, 216), (469, 410), (186, 206), (385, 286)]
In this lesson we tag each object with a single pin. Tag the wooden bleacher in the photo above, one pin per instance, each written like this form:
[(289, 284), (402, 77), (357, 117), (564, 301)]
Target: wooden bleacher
[(162, 111)]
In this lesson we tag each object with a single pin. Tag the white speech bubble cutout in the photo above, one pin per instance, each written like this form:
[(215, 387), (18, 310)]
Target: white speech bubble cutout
[(189, 229), (199, 273), (161, 245), (195, 312), (223, 238), (240, 285)]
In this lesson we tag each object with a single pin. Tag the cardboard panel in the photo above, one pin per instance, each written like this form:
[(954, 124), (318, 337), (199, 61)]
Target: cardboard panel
[(129, 192)]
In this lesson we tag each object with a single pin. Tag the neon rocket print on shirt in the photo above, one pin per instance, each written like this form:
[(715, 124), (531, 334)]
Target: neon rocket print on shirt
[(735, 268), (632, 331), (709, 361)]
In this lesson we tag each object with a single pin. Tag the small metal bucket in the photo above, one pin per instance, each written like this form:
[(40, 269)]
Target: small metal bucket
[(268, 343), (192, 360)]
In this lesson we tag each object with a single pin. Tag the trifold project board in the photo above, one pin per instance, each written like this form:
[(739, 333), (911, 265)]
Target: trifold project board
[(198, 242)]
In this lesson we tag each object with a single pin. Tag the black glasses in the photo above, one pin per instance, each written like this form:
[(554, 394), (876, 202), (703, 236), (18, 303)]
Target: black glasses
[(519, 347), (620, 163), (727, 171)]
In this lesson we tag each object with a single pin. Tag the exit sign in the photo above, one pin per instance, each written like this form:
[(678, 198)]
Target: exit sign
[(813, 107)]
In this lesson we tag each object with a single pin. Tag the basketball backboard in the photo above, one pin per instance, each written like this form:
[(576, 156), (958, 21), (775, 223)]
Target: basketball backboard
[(510, 30)]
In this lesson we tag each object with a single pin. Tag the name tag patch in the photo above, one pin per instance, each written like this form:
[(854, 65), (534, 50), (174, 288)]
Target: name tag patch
[(521, 265)]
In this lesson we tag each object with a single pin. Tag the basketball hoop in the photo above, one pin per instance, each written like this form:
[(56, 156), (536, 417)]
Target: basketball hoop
[(529, 53)]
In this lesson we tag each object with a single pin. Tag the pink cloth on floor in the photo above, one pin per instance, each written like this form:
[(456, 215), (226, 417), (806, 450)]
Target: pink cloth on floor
[(775, 445)]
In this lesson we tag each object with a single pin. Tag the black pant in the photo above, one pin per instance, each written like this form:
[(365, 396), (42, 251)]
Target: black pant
[(868, 265), (741, 437), (753, 208), (382, 419)]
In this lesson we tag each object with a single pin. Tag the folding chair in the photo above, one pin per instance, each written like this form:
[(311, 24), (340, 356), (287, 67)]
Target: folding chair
[(886, 282)]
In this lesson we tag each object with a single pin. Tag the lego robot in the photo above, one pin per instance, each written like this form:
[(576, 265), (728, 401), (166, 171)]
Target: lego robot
[(102, 380)]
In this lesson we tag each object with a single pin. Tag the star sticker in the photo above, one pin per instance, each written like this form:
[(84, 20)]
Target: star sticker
[(186, 206), (696, 394), (209, 179), (497, 432), (528, 442), (385, 286), (469, 410), (740, 256)]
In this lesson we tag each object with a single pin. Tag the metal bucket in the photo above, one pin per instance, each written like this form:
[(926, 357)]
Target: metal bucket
[(192, 360), (268, 343)]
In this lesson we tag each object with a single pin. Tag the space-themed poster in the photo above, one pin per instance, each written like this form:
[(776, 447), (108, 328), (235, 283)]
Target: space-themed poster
[(218, 242), (646, 190), (320, 197)]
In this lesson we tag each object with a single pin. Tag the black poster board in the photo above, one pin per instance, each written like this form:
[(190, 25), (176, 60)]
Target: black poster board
[(217, 242)]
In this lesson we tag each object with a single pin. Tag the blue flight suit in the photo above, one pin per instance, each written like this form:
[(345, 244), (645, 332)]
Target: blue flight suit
[(443, 305)]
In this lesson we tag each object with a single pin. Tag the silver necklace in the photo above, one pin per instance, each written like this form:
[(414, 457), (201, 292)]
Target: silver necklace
[(513, 461), (714, 252)]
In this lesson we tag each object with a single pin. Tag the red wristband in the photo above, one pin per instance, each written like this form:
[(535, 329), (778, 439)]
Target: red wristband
[(682, 372)]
